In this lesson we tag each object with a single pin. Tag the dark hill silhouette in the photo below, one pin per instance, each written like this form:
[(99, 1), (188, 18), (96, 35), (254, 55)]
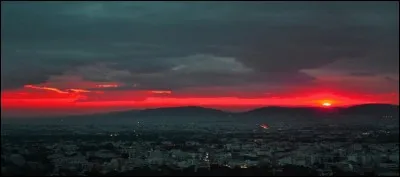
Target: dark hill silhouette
[(365, 109), (181, 111), (196, 111), (376, 110), (276, 110), (186, 111), (372, 109)]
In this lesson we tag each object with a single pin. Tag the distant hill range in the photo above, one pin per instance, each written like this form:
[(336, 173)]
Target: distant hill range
[(171, 111), (374, 110), (365, 109)]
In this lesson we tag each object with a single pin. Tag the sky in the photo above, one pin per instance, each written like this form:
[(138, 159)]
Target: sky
[(62, 58)]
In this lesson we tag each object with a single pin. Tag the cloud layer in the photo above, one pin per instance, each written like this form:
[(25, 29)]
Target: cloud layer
[(248, 47)]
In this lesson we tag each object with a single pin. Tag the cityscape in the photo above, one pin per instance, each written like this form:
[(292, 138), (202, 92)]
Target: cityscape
[(203, 88), (316, 148)]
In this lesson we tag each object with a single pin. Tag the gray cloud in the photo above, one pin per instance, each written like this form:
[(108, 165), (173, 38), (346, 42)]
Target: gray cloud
[(177, 45), (366, 74), (392, 80)]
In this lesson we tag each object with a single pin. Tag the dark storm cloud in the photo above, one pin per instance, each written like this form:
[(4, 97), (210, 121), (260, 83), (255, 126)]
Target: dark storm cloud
[(392, 80), (362, 74), (173, 45)]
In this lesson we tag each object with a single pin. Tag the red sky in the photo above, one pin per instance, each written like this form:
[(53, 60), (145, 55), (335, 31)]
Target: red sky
[(92, 97), (233, 56)]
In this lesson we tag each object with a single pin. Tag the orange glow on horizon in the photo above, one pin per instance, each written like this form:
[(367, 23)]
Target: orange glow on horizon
[(79, 90), (107, 85), (42, 99), (45, 88), (161, 91), (326, 104)]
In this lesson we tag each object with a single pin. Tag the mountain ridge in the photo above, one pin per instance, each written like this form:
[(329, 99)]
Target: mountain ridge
[(362, 109), (185, 111)]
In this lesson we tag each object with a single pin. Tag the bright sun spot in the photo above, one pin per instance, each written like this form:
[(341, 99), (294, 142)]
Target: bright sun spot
[(326, 104)]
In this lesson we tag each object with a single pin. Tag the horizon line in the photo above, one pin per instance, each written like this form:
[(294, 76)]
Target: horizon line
[(205, 107)]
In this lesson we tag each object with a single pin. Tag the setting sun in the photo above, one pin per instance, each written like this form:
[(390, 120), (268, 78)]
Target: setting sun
[(326, 104)]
